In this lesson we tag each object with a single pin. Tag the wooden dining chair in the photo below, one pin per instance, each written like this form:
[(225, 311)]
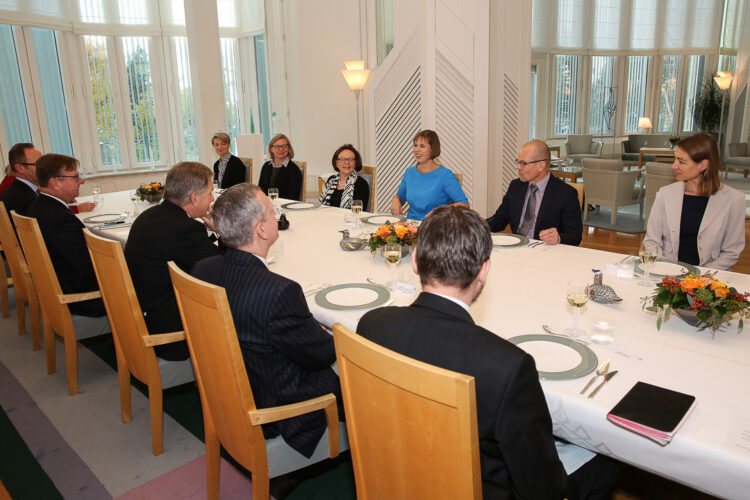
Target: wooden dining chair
[(23, 286), (370, 178), (230, 417), (56, 318), (134, 347), (5, 283), (412, 426), (303, 167), (248, 162)]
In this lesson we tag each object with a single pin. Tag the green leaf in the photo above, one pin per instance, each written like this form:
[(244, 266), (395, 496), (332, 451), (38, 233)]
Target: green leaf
[(658, 323), (740, 326)]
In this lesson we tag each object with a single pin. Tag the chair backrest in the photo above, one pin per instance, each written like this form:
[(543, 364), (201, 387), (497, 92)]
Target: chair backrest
[(248, 162), (368, 174), (578, 144), (601, 164), (579, 189), (606, 186), (220, 371), (13, 254), (42, 272), (738, 149), (303, 190), (121, 302), (656, 168), (412, 426)]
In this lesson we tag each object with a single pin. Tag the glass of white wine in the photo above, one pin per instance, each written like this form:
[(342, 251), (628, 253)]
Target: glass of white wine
[(273, 193), (216, 186), (134, 197), (356, 209), (96, 190), (647, 253), (577, 298), (393, 256)]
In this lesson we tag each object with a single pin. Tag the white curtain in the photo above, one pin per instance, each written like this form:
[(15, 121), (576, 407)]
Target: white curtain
[(128, 17), (628, 26), (731, 36)]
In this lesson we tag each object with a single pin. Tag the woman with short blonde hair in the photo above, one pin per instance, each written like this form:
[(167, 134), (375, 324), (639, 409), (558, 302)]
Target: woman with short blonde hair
[(228, 169), (280, 171)]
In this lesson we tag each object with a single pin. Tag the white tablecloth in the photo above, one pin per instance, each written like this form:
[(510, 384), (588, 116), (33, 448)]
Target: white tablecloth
[(526, 288)]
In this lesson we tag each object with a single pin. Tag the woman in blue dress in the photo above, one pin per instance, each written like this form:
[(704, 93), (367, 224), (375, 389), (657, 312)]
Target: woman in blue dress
[(427, 185)]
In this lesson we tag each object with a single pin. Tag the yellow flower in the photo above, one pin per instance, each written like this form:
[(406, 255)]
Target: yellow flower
[(717, 284), (721, 292), (689, 285)]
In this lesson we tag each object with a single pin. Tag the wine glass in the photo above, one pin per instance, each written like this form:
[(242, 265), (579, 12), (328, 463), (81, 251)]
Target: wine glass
[(96, 190), (273, 193), (216, 186), (647, 253), (577, 298), (356, 209), (393, 256), (134, 197)]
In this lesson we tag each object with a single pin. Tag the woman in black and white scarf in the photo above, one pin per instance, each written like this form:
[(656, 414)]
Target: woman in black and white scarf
[(340, 189)]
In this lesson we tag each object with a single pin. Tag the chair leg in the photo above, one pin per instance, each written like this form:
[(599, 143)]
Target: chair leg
[(20, 313), (71, 362), (157, 420), (49, 347), (261, 484), (34, 316), (123, 377), (585, 211), (213, 464), (613, 217)]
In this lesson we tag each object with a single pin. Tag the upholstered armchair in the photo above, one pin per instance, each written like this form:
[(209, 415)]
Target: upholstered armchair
[(578, 147), (608, 184), (657, 176), (631, 147), (739, 156)]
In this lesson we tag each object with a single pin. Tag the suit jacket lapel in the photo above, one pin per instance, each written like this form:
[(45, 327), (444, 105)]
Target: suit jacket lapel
[(517, 205), (714, 209)]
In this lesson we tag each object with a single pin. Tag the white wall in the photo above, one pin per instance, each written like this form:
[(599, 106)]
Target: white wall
[(320, 36)]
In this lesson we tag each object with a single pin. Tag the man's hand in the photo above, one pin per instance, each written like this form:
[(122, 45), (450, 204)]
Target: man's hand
[(550, 236), (396, 206), (86, 206)]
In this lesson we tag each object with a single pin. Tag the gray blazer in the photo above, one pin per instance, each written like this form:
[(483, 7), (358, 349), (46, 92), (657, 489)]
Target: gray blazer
[(721, 237)]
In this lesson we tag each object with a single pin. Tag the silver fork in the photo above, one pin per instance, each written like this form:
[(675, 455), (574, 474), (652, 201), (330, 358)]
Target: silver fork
[(317, 289)]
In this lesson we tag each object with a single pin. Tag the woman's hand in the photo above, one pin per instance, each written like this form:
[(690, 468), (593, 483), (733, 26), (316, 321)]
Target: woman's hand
[(396, 206)]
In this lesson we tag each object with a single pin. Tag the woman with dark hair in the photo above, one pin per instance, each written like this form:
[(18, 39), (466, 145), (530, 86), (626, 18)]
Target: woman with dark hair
[(698, 220), (228, 169), (428, 184), (280, 171), (345, 186)]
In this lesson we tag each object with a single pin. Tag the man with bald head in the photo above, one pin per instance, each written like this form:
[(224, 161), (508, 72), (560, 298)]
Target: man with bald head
[(537, 204)]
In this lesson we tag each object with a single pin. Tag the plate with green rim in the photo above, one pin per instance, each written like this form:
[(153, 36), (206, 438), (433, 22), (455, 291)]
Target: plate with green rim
[(382, 295), (380, 219), (300, 205), (685, 268), (103, 218), (587, 364), (508, 240)]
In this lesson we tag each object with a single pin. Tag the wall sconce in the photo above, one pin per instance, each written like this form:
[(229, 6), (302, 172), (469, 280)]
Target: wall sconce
[(356, 77), (645, 123)]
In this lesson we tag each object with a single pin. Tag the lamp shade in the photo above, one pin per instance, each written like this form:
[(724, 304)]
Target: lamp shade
[(356, 78), (723, 81), (644, 122), (354, 64)]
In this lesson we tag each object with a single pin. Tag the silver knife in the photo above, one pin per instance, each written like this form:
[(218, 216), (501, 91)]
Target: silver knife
[(606, 379)]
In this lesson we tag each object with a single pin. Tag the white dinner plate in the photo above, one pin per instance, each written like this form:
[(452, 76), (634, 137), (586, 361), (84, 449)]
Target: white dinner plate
[(509, 240), (300, 205), (103, 218), (349, 296), (379, 220), (665, 267), (557, 358)]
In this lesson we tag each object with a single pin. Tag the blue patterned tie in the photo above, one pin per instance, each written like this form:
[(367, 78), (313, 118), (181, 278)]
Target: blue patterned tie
[(529, 215)]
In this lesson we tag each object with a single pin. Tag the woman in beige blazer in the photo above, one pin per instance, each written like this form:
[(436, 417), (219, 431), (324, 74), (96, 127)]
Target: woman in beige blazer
[(699, 220)]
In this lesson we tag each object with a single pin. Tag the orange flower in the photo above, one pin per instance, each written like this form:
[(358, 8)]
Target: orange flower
[(721, 293), (689, 285), (401, 231), (717, 284), (384, 231), (412, 228)]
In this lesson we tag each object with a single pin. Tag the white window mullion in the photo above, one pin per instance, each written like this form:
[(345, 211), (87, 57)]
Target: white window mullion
[(121, 104), (165, 127), (171, 93), (29, 93)]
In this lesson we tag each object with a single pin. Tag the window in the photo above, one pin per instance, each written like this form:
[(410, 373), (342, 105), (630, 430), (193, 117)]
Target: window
[(383, 28), (141, 93), (185, 98), (696, 69), (53, 97), (260, 68), (231, 98), (668, 93), (566, 80), (101, 94), (602, 105), (727, 63), (12, 100), (635, 105), (532, 102)]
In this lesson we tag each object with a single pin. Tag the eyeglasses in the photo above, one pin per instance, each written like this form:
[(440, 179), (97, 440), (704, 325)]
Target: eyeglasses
[(346, 160), (524, 164), (280, 146), (75, 177)]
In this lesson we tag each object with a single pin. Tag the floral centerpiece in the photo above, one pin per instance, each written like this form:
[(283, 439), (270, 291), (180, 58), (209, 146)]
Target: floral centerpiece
[(153, 191), (403, 233), (673, 140), (699, 300)]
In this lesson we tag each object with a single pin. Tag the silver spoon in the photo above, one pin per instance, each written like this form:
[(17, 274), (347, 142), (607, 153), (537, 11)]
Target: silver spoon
[(601, 370), (373, 282)]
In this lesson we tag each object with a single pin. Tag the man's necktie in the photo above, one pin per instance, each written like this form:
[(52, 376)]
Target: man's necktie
[(529, 215)]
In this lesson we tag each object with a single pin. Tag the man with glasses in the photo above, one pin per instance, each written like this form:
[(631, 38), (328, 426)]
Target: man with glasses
[(62, 231), (24, 189), (537, 204)]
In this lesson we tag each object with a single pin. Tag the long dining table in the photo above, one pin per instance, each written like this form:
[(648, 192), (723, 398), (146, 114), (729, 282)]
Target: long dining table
[(526, 289)]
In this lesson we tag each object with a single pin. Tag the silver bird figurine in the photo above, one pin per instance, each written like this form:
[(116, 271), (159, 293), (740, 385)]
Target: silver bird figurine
[(601, 293)]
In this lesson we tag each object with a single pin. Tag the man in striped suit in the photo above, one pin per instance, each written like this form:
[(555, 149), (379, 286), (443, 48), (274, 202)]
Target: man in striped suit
[(287, 353)]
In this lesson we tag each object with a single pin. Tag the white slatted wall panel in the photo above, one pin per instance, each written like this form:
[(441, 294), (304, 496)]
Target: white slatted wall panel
[(511, 120), (454, 120)]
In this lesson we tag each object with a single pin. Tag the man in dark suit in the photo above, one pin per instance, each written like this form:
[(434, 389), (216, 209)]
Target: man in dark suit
[(518, 455), (165, 232), (287, 354), (537, 204), (24, 190), (62, 230)]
